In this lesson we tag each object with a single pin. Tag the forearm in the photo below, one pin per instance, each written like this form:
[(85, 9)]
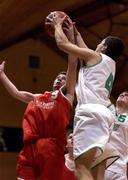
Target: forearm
[(59, 35), (79, 41), (71, 76), (9, 86), (61, 39), (13, 91), (64, 44)]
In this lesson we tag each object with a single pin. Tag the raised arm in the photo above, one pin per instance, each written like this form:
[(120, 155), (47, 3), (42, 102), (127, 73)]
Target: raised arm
[(72, 67), (79, 40), (88, 55), (11, 88), (71, 78)]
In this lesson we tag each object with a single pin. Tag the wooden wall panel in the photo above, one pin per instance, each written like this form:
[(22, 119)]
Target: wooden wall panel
[(17, 69), (8, 166)]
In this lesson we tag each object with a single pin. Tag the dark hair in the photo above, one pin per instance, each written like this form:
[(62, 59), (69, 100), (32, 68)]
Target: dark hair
[(126, 91), (62, 72), (115, 47)]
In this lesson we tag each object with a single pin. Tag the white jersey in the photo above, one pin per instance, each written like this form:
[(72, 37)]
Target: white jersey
[(93, 120), (95, 82), (119, 140), (109, 175)]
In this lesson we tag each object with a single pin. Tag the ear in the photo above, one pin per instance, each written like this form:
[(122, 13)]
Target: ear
[(104, 47)]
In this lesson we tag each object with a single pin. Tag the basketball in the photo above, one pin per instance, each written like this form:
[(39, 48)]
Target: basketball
[(48, 24)]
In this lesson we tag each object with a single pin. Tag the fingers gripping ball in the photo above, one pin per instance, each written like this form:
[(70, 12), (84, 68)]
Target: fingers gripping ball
[(48, 22), (48, 25)]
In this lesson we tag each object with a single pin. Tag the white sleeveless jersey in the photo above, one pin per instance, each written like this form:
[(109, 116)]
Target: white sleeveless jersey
[(95, 82), (119, 140)]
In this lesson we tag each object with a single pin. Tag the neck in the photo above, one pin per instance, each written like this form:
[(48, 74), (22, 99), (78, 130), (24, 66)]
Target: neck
[(121, 110)]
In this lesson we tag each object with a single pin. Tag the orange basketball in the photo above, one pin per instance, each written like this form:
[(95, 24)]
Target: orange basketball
[(48, 24)]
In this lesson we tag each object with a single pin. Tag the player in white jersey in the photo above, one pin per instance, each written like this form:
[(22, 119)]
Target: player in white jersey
[(93, 120), (119, 140)]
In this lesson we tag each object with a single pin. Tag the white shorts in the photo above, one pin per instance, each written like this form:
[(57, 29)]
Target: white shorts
[(109, 175), (92, 128), (109, 155)]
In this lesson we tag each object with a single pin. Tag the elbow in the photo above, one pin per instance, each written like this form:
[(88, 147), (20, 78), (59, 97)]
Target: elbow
[(14, 94), (60, 45), (63, 47)]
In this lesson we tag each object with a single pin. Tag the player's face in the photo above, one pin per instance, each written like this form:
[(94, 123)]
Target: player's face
[(101, 47), (123, 99), (59, 81)]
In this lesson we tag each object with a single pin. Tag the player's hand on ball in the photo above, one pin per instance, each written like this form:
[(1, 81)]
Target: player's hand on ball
[(56, 18)]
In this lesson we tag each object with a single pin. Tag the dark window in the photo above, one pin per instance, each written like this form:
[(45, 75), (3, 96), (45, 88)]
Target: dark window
[(34, 62)]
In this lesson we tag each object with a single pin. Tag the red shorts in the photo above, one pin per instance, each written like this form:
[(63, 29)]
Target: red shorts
[(44, 159)]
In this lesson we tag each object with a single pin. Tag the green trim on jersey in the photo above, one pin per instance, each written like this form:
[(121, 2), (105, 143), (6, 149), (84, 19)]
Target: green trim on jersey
[(99, 61), (109, 83)]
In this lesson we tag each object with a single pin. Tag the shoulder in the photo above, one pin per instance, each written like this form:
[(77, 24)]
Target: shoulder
[(64, 95), (40, 96), (107, 58)]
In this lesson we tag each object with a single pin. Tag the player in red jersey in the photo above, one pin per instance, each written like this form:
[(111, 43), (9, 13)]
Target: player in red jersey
[(69, 168), (44, 126)]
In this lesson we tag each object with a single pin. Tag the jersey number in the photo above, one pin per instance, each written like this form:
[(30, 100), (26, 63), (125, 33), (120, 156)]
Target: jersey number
[(109, 83), (122, 118)]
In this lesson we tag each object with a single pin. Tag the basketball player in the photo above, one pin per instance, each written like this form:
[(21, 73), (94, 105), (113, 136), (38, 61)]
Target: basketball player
[(44, 126), (119, 140), (69, 168), (93, 118)]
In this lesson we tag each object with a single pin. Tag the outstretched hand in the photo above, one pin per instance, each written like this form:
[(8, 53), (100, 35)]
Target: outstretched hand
[(2, 67), (54, 19), (57, 19), (62, 21)]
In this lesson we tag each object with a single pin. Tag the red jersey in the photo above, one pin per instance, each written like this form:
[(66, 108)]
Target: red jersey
[(69, 169), (47, 116), (68, 174)]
